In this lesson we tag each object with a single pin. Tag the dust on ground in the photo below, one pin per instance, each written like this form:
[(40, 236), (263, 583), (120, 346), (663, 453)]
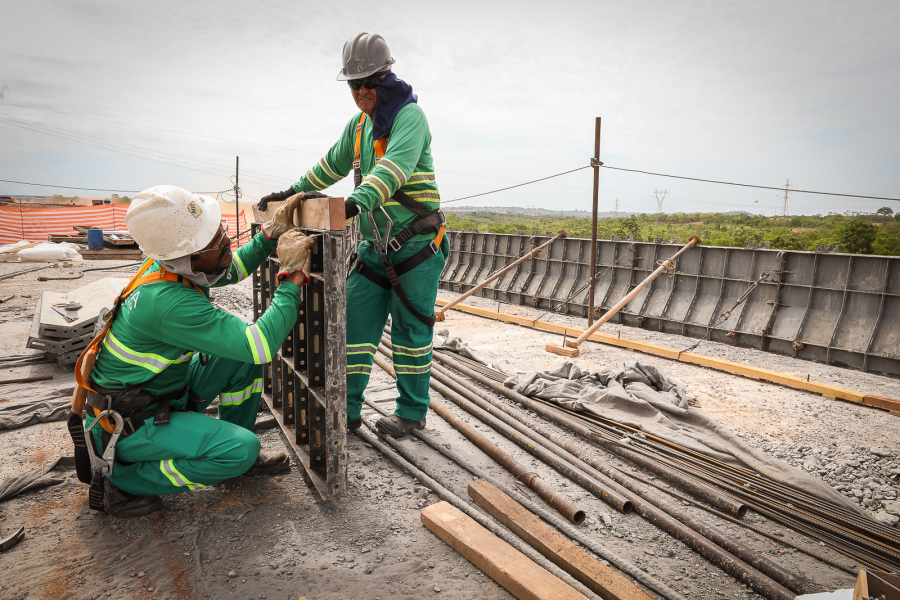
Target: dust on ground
[(267, 537)]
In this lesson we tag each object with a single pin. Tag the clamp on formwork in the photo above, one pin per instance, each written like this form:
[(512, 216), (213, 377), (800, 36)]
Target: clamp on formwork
[(305, 385)]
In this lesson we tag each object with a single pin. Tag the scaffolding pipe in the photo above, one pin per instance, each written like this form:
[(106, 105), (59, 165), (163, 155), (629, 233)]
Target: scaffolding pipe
[(439, 314), (664, 265)]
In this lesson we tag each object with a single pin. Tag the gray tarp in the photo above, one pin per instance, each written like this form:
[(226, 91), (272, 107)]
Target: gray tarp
[(443, 341), (37, 478), (51, 405), (641, 397)]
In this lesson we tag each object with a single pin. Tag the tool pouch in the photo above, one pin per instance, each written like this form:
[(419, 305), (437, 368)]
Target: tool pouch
[(82, 459)]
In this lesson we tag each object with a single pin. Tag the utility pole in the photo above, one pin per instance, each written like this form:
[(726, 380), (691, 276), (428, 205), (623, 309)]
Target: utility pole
[(660, 196), (237, 198), (595, 162), (784, 205)]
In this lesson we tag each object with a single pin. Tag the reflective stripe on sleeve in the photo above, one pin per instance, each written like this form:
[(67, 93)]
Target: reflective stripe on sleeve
[(379, 185), (328, 170), (238, 397), (317, 183), (424, 196), (404, 351), (148, 360), (241, 269), (412, 369), (396, 171), (421, 177), (258, 345), (176, 477)]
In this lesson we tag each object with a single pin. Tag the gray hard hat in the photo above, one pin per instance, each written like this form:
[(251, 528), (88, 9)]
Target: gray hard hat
[(364, 54)]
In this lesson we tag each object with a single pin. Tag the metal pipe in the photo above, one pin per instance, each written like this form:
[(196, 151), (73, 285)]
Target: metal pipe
[(415, 468), (550, 517), (439, 314), (662, 268), (522, 473), (596, 164), (27, 379), (685, 528)]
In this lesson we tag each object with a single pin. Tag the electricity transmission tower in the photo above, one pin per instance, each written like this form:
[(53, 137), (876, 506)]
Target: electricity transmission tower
[(784, 205), (660, 196), (616, 213)]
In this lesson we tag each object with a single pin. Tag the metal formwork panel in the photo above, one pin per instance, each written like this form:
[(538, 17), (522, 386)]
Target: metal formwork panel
[(305, 385), (833, 308)]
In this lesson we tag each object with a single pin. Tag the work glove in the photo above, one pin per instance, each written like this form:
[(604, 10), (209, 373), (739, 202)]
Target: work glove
[(276, 197), (295, 254), (350, 209)]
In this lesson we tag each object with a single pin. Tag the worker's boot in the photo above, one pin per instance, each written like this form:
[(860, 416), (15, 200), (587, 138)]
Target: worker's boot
[(119, 503), (398, 427), (354, 424), (269, 462)]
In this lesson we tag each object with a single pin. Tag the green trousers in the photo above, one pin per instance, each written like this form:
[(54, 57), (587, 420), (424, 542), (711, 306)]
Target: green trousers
[(193, 450), (368, 307)]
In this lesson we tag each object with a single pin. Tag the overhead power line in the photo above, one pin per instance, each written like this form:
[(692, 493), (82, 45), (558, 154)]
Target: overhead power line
[(515, 186), (761, 187), (72, 187)]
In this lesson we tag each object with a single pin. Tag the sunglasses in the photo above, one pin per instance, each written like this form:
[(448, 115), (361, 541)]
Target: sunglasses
[(369, 83)]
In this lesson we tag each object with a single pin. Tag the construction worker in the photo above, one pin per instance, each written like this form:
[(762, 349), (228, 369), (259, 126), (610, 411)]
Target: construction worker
[(387, 145), (169, 352)]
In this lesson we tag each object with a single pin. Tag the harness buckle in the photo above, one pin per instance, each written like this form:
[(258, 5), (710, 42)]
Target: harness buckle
[(433, 247), (394, 244)]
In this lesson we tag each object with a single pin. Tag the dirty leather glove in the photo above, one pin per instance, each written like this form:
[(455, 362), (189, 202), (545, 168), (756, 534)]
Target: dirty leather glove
[(283, 219), (350, 209), (295, 254), (276, 197)]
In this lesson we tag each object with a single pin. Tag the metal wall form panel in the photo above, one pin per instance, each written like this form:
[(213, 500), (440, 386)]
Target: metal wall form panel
[(840, 309), (305, 385)]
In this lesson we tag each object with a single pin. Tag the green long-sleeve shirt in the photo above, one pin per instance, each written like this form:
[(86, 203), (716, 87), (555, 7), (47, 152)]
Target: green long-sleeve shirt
[(407, 166), (160, 325)]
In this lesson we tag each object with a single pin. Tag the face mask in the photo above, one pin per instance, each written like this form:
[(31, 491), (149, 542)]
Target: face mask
[(182, 266)]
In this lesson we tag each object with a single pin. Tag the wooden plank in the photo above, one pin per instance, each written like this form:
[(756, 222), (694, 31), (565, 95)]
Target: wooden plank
[(604, 581), (517, 573), (111, 254), (316, 213), (711, 362)]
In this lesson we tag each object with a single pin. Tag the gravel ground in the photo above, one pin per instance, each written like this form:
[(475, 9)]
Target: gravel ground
[(268, 537)]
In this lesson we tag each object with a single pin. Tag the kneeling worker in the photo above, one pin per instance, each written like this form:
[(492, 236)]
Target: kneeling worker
[(169, 353)]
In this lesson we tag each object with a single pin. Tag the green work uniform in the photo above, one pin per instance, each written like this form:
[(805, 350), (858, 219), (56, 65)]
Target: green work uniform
[(168, 335), (406, 166)]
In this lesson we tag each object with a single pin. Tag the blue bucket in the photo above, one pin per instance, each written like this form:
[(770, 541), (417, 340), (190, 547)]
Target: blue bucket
[(95, 238)]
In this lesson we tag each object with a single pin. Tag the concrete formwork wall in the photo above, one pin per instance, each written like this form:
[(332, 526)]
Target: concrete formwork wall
[(841, 309)]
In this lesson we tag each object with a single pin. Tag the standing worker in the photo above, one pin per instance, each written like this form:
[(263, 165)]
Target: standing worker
[(388, 147), (168, 353)]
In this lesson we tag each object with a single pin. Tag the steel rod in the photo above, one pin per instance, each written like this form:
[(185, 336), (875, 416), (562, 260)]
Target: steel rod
[(439, 314), (415, 468), (27, 379), (685, 528), (550, 517), (596, 164), (527, 476)]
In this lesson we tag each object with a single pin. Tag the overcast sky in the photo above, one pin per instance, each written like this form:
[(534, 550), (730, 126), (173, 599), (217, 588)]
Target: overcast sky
[(751, 91)]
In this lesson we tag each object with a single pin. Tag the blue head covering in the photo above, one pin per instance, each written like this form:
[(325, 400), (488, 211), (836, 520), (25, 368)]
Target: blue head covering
[(393, 94)]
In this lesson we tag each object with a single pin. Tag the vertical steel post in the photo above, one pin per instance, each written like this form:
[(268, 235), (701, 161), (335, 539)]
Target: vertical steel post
[(237, 201), (596, 164)]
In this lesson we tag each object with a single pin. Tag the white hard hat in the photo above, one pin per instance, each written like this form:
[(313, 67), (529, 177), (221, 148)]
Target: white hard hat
[(168, 222)]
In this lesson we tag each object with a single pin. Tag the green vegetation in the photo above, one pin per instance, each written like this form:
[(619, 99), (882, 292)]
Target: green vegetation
[(876, 233)]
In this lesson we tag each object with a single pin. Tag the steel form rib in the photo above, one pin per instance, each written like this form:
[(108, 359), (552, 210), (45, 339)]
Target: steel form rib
[(684, 527), (415, 468), (548, 516), (522, 473)]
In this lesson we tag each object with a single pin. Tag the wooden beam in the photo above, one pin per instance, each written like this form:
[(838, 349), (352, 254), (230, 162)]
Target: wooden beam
[(604, 581), (316, 213), (712, 362), (517, 573)]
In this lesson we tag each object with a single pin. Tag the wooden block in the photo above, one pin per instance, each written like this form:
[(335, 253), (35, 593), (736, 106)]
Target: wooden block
[(570, 352), (315, 213), (521, 576), (604, 581), (827, 397)]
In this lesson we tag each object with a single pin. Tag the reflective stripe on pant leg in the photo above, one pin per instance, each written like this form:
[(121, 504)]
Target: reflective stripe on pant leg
[(238, 397), (176, 477)]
